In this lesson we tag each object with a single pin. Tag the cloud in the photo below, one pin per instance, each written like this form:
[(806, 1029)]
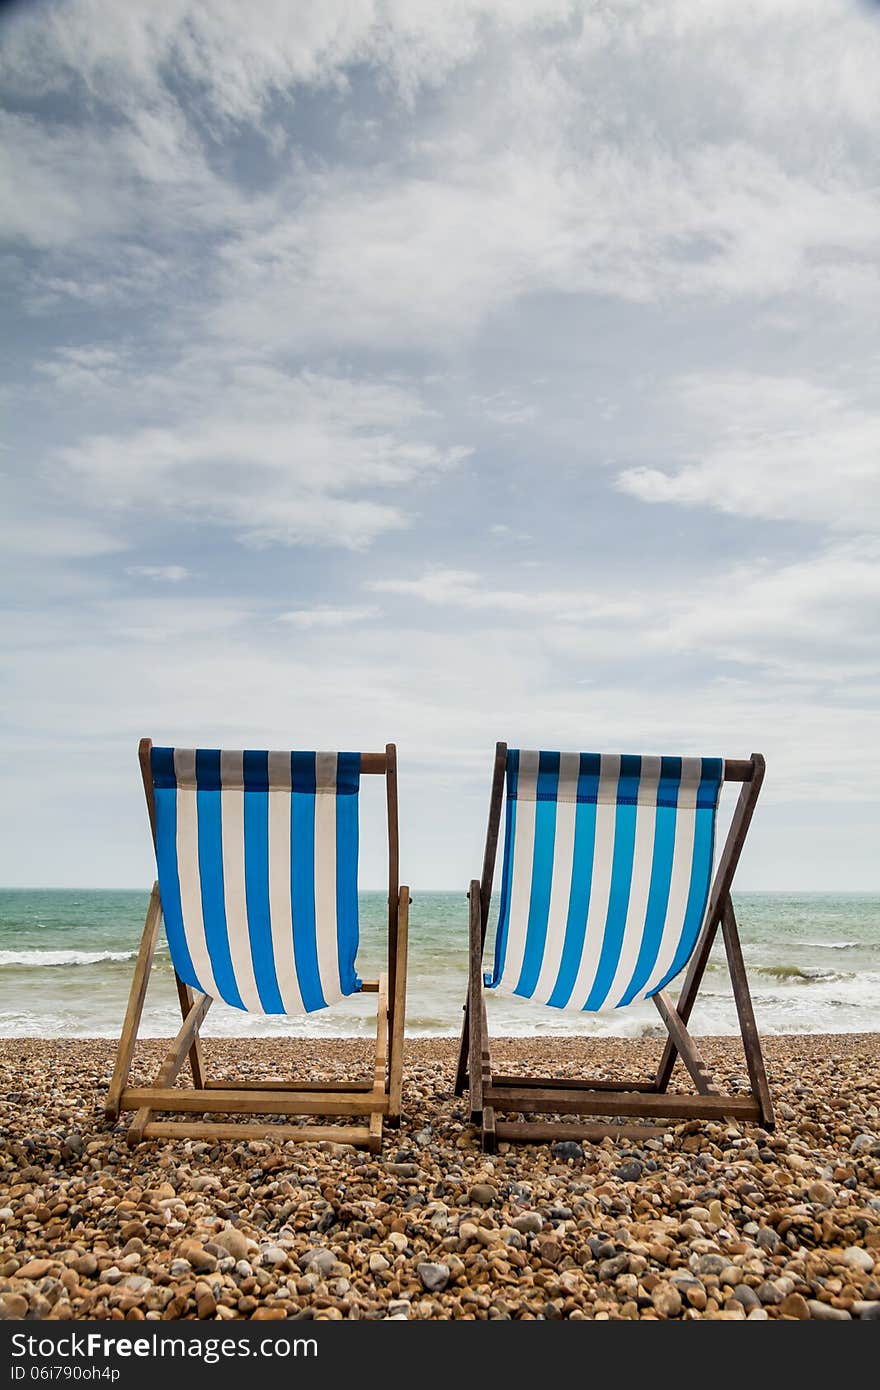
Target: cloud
[(814, 618), (468, 589), (323, 616), (783, 448), (555, 155), (239, 60), (811, 619), (166, 574), (282, 458)]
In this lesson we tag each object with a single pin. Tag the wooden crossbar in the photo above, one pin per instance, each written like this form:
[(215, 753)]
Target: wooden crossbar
[(251, 1102), (232, 1083), (300, 1134), (536, 1132), (574, 1083), (665, 1105)]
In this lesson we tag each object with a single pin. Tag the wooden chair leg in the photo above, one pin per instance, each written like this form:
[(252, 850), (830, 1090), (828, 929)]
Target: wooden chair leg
[(196, 1055), (747, 1024), (139, 983), (380, 1063), (488, 1133), (398, 1017), (175, 1059), (475, 1003)]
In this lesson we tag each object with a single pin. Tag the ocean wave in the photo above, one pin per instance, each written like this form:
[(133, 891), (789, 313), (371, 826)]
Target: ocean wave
[(799, 972), (39, 959), (830, 945)]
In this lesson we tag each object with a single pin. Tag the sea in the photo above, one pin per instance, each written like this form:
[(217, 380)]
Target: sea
[(66, 960)]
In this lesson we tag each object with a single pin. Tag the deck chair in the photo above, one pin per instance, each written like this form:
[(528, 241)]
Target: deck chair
[(605, 899), (257, 860)]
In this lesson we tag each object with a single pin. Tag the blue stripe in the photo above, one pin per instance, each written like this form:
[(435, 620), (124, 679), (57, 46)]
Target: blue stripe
[(581, 879), (255, 767), (165, 800), (621, 879), (208, 769), (542, 872), (302, 879), (162, 769), (210, 849), (348, 767), (701, 869), (512, 770), (348, 774), (661, 876)]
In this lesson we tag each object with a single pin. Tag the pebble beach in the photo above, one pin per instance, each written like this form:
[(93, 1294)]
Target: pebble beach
[(710, 1221)]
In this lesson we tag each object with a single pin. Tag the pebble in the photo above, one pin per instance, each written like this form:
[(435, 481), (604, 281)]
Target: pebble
[(319, 1259), (746, 1295), (712, 1221), (794, 1306), (233, 1240), (822, 1193), (483, 1194), (528, 1223), (767, 1239), (434, 1277), (823, 1312), (34, 1269), (629, 1172), (666, 1300), (13, 1305), (568, 1148), (609, 1269), (857, 1258), (862, 1143), (201, 1260)]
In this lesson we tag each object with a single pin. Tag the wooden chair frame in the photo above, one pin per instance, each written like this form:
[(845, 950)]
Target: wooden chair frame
[(645, 1099), (377, 1098)]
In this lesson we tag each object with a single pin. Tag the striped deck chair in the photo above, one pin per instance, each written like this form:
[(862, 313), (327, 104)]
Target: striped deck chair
[(257, 858), (606, 896)]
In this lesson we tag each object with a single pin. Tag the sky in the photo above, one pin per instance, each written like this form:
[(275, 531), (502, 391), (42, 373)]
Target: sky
[(439, 373)]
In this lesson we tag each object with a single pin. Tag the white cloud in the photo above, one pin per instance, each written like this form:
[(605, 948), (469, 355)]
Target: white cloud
[(324, 616), (810, 620), (556, 155), (470, 590), (281, 458), (782, 448), (240, 58), (72, 185), (815, 618), (166, 574)]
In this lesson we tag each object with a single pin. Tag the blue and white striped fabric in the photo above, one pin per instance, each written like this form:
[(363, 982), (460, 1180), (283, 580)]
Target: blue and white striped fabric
[(607, 861), (257, 856)]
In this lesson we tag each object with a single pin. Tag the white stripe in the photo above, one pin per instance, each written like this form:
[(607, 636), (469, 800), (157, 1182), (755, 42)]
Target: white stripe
[(235, 901), (640, 883), (280, 909), (325, 876), (560, 887), (521, 885), (188, 869), (682, 868), (600, 886)]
